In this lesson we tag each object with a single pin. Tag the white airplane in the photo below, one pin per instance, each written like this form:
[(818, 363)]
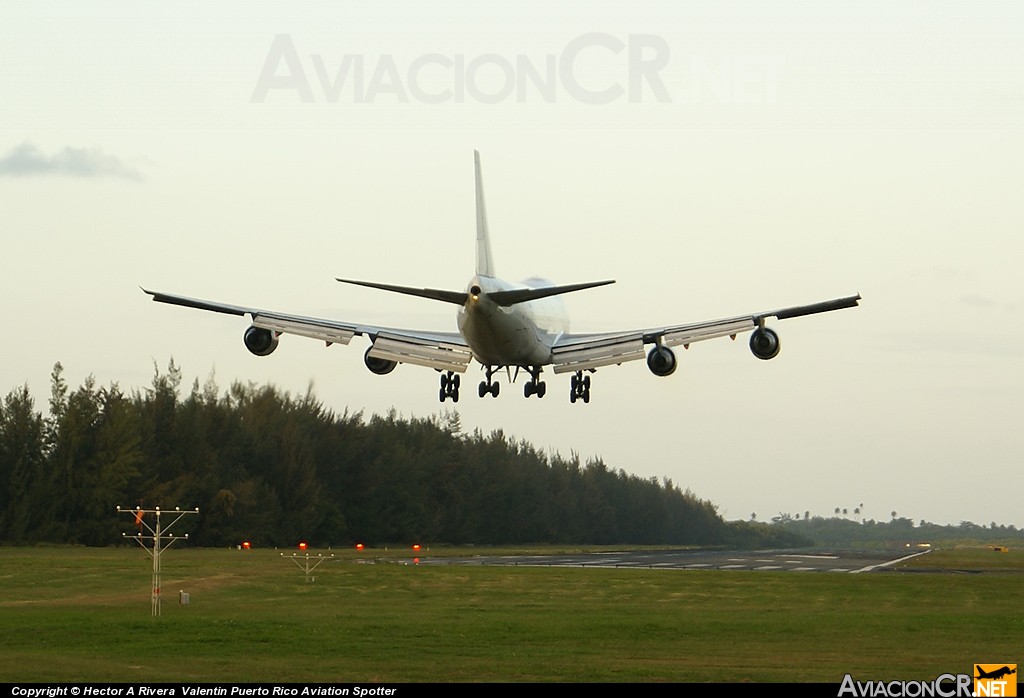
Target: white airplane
[(506, 325)]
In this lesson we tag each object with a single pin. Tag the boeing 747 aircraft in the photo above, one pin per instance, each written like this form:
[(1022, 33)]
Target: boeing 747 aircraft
[(518, 327)]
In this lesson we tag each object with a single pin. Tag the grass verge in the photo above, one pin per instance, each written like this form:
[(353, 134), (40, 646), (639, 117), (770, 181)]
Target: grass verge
[(84, 615)]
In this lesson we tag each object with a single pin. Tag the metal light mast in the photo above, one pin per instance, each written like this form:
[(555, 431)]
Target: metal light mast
[(307, 563), (156, 535)]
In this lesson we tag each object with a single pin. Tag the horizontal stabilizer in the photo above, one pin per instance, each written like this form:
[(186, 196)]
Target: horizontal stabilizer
[(456, 297), (521, 295)]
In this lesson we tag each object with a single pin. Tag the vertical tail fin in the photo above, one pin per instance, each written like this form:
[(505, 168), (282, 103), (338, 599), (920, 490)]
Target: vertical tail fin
[(484, 263)]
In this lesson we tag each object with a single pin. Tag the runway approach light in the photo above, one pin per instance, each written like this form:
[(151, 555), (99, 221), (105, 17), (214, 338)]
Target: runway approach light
[(416, 547), (359, 547), (302, 545), (246, 545)]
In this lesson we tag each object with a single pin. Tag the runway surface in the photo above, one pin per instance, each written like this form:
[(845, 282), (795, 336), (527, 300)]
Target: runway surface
[(775, 561)]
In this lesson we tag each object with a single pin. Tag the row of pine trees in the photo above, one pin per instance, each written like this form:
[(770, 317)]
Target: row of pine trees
[(274, 469)]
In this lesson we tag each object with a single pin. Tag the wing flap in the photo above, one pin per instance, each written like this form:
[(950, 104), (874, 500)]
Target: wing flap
[(408, 350), (711, 330), (603, 351), (314, 329)]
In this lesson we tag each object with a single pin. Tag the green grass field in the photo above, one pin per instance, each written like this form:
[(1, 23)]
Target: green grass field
[(76, 614)]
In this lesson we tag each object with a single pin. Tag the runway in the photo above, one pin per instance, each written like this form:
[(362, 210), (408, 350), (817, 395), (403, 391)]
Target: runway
[(846, 562)]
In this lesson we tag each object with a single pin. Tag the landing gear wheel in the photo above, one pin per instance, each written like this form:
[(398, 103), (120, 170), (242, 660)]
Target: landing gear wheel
[(488, 384), (449, 387), (535, 386), (579, 388)]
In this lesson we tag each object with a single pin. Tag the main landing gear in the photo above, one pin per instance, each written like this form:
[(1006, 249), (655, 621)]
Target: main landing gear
[(535, 386), (579, 387), (489, 385), (449, 386)]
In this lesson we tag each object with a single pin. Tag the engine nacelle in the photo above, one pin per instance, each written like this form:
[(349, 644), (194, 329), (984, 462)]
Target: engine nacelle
[(260, 341), (661, 361), (381, 367), (764, 343)]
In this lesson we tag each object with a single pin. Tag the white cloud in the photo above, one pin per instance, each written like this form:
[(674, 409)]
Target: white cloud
[(28, 160)]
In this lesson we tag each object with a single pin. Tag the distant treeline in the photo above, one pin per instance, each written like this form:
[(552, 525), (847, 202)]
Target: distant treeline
[(899, 531), (274, 469)]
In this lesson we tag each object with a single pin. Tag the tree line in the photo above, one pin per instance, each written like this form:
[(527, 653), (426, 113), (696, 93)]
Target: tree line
[(900, 531), (273, 469)]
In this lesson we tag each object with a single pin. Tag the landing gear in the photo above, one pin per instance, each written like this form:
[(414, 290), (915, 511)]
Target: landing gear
[(579, 387), (535, 386), (449, 387), (489, 385)]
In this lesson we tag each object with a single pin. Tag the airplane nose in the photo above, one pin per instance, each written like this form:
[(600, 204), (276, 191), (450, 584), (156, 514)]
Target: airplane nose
[(474, 292)]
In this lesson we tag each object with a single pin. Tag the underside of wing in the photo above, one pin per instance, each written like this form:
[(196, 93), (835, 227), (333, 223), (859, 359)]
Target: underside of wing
[(440, 350), (577, 352), (419, 349)]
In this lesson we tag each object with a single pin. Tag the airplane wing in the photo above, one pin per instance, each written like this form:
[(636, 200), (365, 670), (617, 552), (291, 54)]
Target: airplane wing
[(441, 350), (578, 352)]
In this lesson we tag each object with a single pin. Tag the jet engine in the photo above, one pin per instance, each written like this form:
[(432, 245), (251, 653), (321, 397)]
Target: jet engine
[(260, 341), (764, 343), (661, 361), (377, 365)]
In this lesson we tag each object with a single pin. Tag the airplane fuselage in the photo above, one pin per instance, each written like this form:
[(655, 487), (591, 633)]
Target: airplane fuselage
[(516, 335)]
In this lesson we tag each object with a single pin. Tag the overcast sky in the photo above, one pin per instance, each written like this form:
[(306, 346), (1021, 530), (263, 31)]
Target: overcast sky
[(715, 158)]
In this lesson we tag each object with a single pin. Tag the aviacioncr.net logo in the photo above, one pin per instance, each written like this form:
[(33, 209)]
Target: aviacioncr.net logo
[(945, 686), (593, 68), (995, 680)]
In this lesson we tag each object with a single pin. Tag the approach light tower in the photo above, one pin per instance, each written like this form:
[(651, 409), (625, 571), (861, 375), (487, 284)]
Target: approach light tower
[(306, 562), (157, 535)]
